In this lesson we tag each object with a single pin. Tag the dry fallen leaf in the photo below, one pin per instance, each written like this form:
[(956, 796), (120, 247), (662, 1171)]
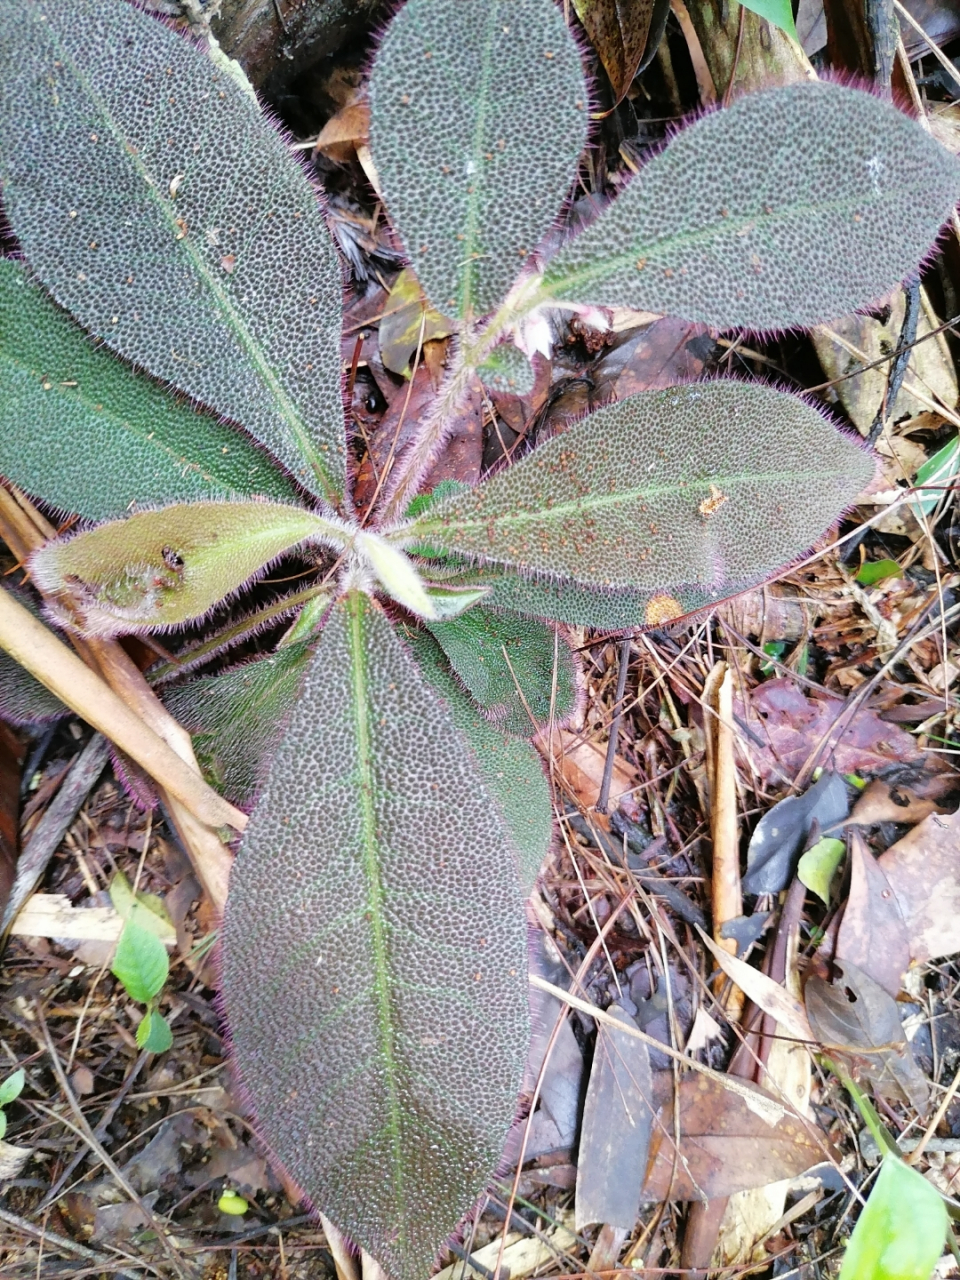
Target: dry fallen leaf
[(923, 870), (580, 762), (725, 1145), (873, 934)]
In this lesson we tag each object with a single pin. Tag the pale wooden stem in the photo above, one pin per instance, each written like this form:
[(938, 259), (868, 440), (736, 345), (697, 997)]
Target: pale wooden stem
[(727, 891), (38, 650)]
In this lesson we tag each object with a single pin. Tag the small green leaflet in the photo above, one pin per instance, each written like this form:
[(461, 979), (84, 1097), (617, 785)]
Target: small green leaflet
[(153, 1033), (873, 571), (938, 471), (901, 1231), (146, 909), (12, 1087), (779, 12), (140, 963), (819, 865)]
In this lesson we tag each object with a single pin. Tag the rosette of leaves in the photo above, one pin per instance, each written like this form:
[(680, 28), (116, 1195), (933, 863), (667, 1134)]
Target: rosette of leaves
[(171, 375)]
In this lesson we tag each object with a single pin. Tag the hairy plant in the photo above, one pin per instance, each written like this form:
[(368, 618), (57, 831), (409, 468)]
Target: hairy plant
[(374, 942)]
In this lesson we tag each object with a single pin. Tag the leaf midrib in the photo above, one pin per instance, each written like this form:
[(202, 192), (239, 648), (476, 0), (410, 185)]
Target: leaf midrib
[(385, 1030), (473, 197), (598, 501), (231, 316), (554, 285)]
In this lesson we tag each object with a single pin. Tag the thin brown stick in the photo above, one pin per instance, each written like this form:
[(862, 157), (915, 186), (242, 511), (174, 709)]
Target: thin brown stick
[(727, 895)]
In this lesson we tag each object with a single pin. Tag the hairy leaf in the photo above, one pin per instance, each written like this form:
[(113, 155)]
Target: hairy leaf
[(23, 699), (181, 231), (707, 485), (397, 574), (375, 954), (791, 207), (237, 717), (162, 568), (901, 1232), (508, 370), (478, 115), (511, 769), (562, 600), (82, 431), (516, 668)]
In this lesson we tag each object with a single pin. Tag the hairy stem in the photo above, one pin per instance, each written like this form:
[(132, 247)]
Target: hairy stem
[(474, 349)]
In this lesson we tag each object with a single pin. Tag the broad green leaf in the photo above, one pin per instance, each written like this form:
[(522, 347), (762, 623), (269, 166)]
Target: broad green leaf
[(162, 568), (818, 866), (779, 12), (237, 717), (901, 1230), (711, 485), (140, 962), (791, 207), (478, 115), (12, 1087), (407, 322), (181, 231), (153, 1032), (145, 909), (515, 668), (512, 770), (938, 472), (374, 953), (873, 571), (507, 369), (81, 430)]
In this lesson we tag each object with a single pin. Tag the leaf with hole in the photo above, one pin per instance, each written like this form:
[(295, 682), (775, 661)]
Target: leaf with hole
[(791, 207), (162, 568), (511, 769), (374, 952), (102, 439), (517, 669), (711, 484), (478, 116), (902, 1228), (237, 717), (140, 963), (182, 232), (854, 1016)]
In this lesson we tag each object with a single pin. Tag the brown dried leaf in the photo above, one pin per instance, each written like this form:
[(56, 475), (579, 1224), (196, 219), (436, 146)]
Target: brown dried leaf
[(725, 1146), (344, 132), (615, 1134), (618, 30), (923, 870), (873, 934), (886, 802), (856, 1017), (579, 763), (790, 725)]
